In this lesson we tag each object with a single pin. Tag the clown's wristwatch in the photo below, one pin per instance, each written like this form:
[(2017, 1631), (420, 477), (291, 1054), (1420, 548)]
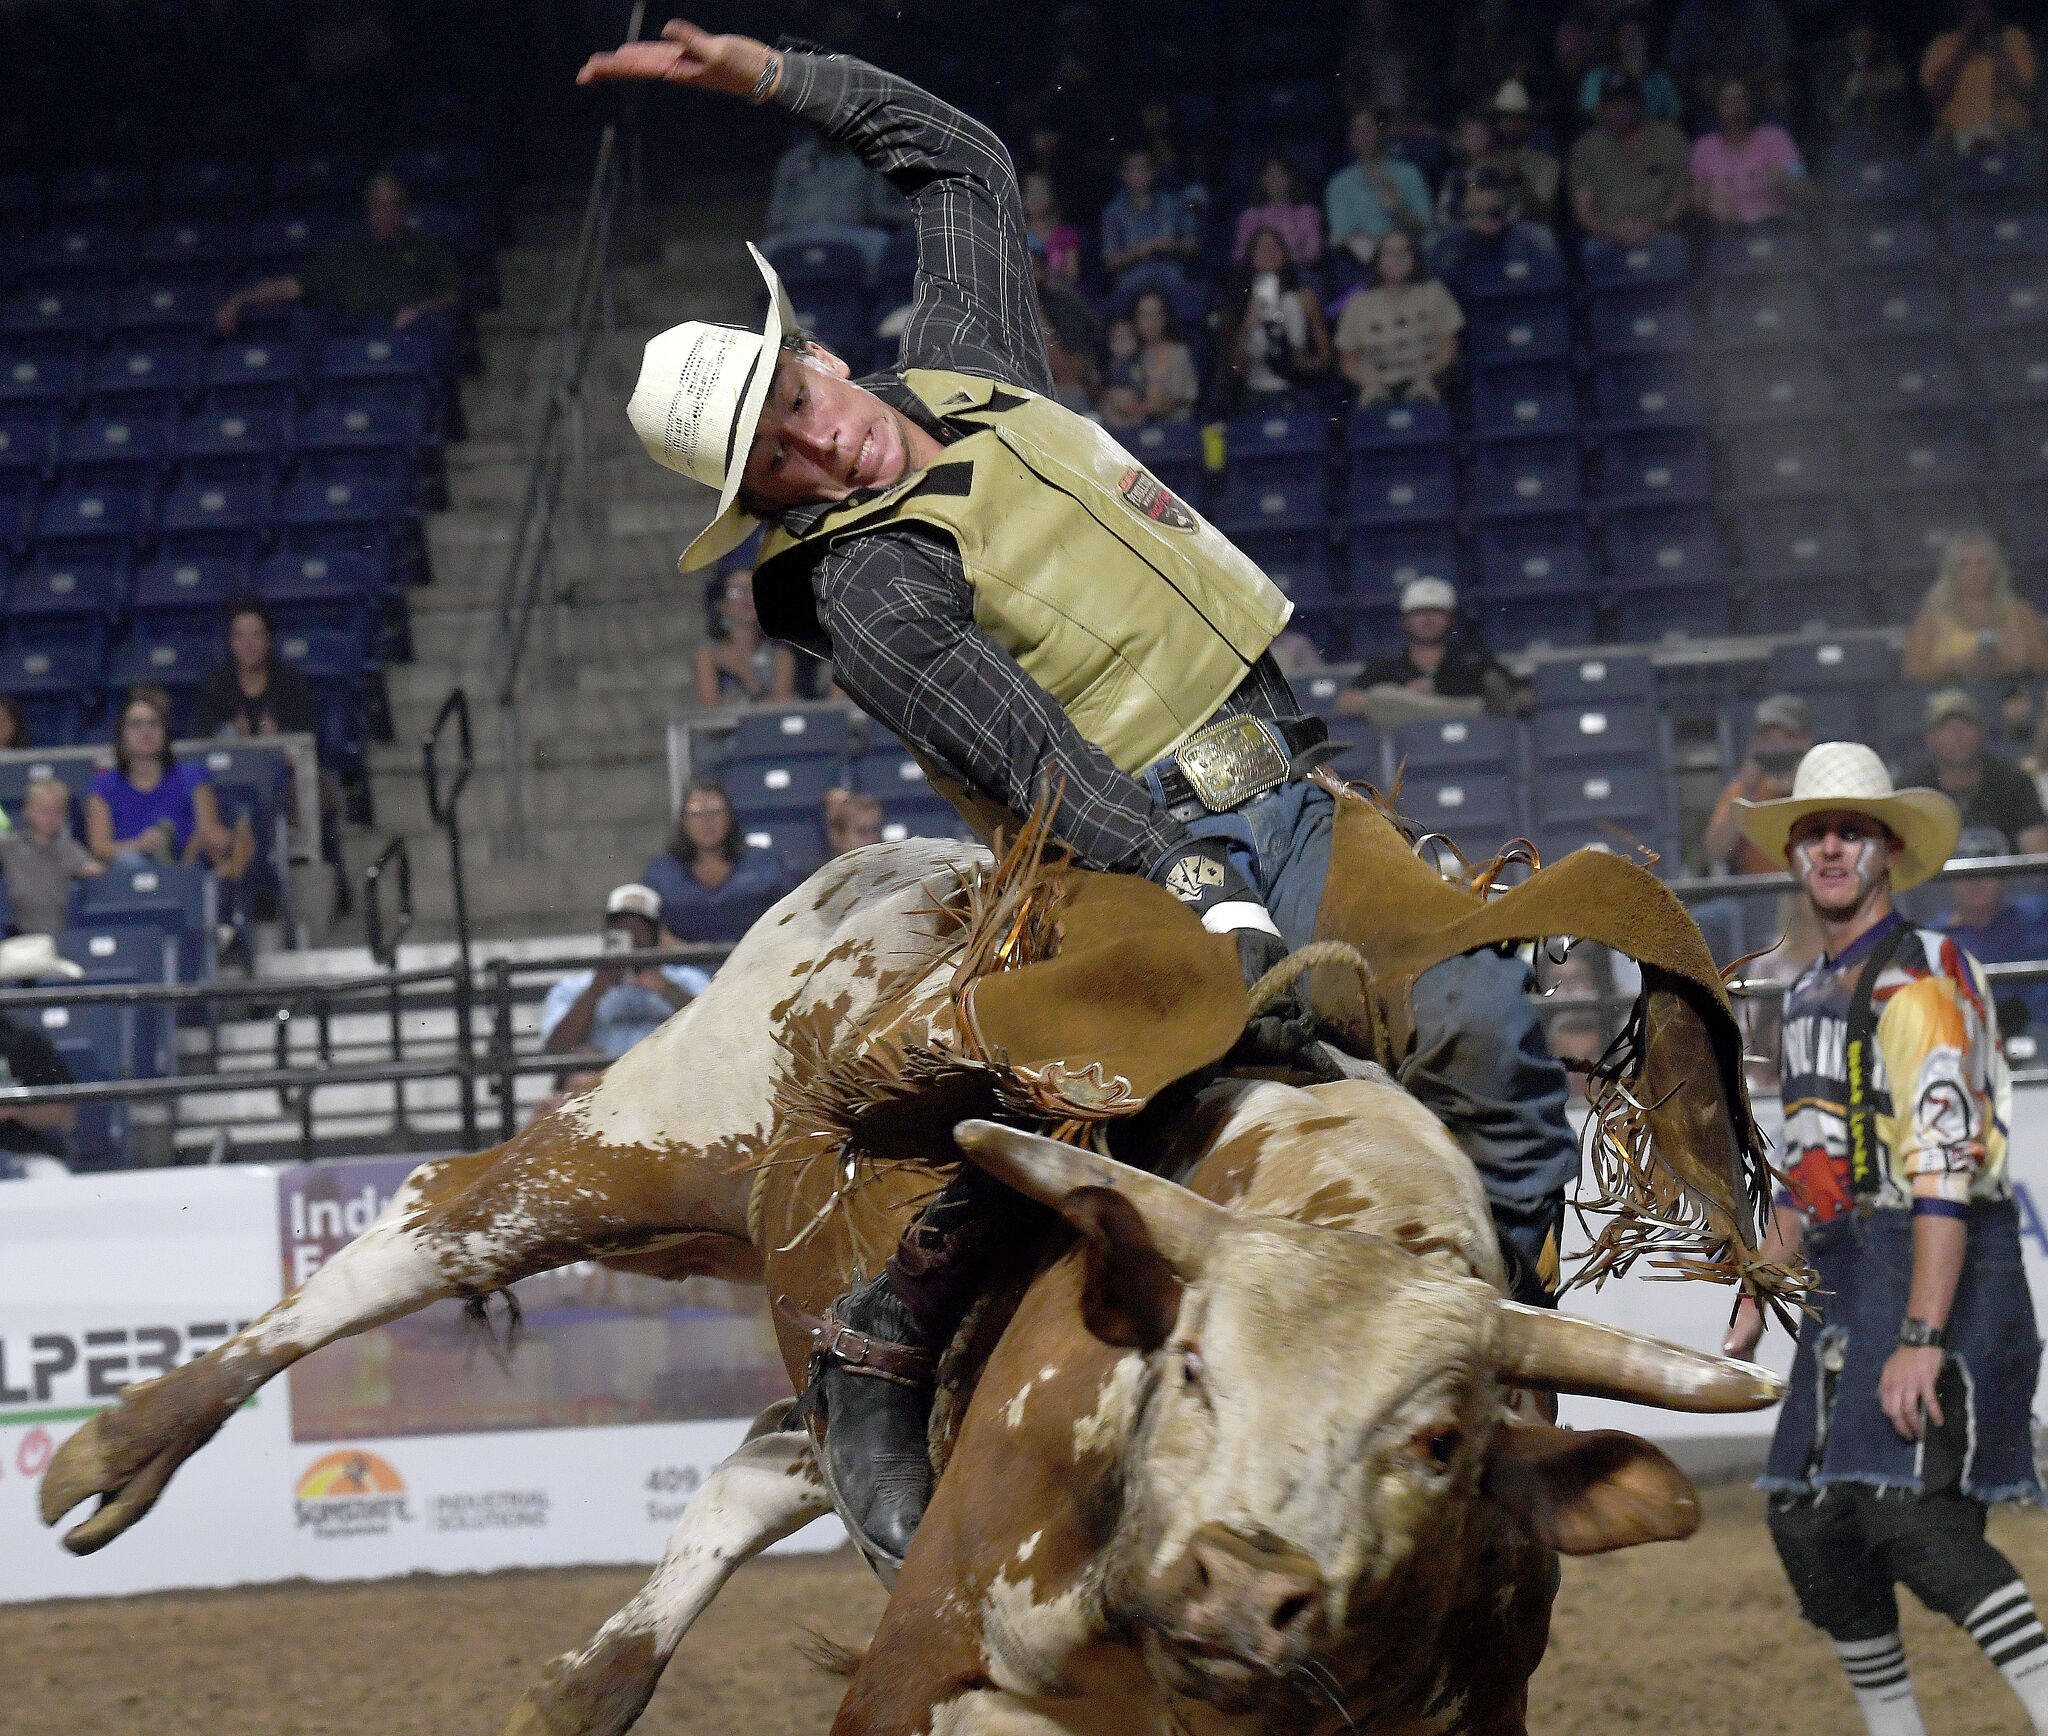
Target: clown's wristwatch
[(1916, 1334)]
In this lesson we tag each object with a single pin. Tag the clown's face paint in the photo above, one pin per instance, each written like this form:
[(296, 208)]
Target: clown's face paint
[(1839, 859)]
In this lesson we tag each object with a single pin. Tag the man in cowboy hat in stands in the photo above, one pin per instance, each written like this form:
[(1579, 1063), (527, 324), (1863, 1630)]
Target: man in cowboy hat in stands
[(1015, 596), (1910, 1395)]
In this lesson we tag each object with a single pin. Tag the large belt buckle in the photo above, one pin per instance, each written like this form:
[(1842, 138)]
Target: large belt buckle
[(1230, 762)]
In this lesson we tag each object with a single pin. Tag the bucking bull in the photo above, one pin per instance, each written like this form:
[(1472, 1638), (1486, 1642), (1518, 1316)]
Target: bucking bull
[(1256, 1448)]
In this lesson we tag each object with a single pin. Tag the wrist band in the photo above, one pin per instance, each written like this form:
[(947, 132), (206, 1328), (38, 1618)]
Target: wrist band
[(771, 70), (1933, 1208)]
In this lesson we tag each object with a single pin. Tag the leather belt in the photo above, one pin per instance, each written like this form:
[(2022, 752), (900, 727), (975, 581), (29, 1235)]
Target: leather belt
[(1225, 764)]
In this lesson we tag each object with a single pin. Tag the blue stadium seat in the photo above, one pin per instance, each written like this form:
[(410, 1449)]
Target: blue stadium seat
[(99, 190), (1792, 607), (1907, 374), (1477, 809), (73, 601), (1661, 262), (1915, 452), (2004, 297), (1299, 500), (324, 178), (888, 772), (1986, 236), (1766, 310), (66, 315), (286, 241), (1641, 323), (398, 356), (1912, 529), (140, 377), (449, 167), (208, 184), (767, 734), (37, 380), (1626, 796), (1892, 304), (1514, 402), (1388, 424), (341, 593), (213, 517), (118, 451), (2013, 366), (1646, 613), (1768, 250), (1609, 735), (170, 897), (1455, 744), (1547, 619), (780, 783), (251, 362), (926, 817), (1793, 542), (164, 307), (177, 661), (187, 251), (2026, 524), (1854, 179), (799, 839), (1514, 478), (1883, 241), (1774, 385), (1660, 467), (97, 1043), (185, 597), (1599, 678), (1501, 333), (78, 253), (315, 501), (1852, 665), (1300, 566), (238, 444), (1172, 451), (1401, 487), (2019, 444), (326, 658), (1665, 547), (1637, 392), (1361, 756), (96, 516), (1382, 561), (27, 443), (122, 954), (2002, 178), (1535, 556), (1776, 460), (809, 265), (1278, 445), (1521, 268)]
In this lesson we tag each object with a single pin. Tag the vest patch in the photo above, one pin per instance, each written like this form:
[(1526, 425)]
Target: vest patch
[(1193, 878), (1146, 494)]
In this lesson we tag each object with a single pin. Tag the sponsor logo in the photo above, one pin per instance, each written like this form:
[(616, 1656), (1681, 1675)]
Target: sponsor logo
[(352, 1493), (1145, 494), (65, 1375), (489, 1510), (678, 1483)]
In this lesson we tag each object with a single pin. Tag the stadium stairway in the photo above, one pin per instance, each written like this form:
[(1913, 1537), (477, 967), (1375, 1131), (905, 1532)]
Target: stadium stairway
[(592, 713)]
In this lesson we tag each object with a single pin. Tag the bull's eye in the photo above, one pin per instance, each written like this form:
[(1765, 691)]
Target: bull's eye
[(1190, 1368), (1442, 1445)]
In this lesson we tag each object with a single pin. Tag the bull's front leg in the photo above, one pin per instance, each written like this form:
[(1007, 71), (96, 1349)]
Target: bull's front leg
[(763, 1493), (461, 1228)]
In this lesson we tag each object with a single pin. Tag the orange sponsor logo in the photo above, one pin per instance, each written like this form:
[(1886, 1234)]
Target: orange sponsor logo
[(351, 1471)]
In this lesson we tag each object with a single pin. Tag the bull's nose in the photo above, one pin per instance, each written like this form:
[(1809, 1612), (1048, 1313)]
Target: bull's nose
[(1256, 1599)]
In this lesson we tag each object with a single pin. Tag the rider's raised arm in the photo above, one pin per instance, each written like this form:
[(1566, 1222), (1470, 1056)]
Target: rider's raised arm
[(976, 308)]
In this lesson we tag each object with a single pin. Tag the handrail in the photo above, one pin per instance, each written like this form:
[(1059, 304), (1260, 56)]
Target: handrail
[(398, 856), (440, 808)]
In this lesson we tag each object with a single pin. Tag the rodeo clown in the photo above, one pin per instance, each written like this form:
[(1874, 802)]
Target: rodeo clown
[(1001, 584), (1908, 1412)]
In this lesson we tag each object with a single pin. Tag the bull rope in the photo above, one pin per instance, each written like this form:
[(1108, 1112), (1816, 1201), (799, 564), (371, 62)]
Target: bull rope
[(1283, 976)]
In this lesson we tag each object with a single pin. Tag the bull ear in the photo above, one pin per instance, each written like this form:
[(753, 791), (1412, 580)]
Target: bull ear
[(1131, 1296), (1585, 1493), (1179, 1225)]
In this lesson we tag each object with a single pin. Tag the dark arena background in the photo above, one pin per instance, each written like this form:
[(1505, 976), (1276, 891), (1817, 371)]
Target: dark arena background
[(1626, 394)]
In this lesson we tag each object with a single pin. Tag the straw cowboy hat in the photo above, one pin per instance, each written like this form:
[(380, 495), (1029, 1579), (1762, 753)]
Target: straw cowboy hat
[(25, 957), (698, 402), (1845, 775)]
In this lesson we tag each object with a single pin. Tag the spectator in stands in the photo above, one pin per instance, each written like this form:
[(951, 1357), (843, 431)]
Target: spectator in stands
[(1972, 626), (712, 883), (1283, 210), (391, 277), (1514, 153), (1627, 51), (1996, 928), (1979, 80), (1471, 140), (1859, 89), (821, 187), (1438, 672), (852, 821), (736, 663), (1746, 173), (1990, 791), (27, 1057), (1783, 733), (1276, 340), (1487, 233), (13, 726), (1073, 336), (570, 1082), (147, 807), (1631, 177), (1148, 236), (1712, 41), (1495, 40), (1171, 170), (1158, 383), (1398, 337), (1050, 232), (1373, 193), (41, 859), (609, 1009)]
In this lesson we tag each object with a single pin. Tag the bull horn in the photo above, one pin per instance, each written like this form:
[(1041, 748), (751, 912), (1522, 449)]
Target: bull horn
[(1182, 1224), (1566, 1353)]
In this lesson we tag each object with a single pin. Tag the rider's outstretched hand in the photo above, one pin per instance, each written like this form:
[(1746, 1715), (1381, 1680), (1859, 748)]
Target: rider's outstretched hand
[(684, 55)]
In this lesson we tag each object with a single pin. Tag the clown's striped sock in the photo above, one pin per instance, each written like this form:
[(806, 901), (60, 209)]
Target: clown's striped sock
[(2006, 1625), (1884, 1689)]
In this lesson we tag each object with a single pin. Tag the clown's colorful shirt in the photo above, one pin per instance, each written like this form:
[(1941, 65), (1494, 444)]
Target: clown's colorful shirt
[(1941, 1092)]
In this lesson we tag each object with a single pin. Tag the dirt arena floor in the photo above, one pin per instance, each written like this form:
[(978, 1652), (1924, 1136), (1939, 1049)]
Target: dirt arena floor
[(1697, 1637)]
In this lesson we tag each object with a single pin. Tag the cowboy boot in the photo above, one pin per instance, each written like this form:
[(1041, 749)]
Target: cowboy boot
[(873, 1382)]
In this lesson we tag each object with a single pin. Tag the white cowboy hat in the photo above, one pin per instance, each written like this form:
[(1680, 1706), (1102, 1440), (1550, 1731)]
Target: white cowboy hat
[(698, 402), (24, 957), (1838, 775)]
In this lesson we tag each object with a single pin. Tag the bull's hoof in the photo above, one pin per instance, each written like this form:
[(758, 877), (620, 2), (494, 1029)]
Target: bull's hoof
[(601, 1692), (125, 1456)]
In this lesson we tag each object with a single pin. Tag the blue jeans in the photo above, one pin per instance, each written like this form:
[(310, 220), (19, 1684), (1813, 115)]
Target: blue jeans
[(1481, 1062)]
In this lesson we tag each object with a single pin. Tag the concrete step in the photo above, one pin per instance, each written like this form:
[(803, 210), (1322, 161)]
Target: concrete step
[(626, 792)]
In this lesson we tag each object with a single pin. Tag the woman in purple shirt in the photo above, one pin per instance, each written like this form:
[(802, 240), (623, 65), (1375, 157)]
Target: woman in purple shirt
[(148, 805)]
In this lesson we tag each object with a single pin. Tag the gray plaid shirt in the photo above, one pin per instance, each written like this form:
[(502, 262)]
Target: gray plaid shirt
[(896, 605)]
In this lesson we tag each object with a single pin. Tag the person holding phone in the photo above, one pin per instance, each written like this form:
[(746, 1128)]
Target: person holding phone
[(607, 1010)]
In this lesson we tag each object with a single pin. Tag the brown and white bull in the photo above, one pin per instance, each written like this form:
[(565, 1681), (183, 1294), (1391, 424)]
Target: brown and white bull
[(1249, 1454)]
